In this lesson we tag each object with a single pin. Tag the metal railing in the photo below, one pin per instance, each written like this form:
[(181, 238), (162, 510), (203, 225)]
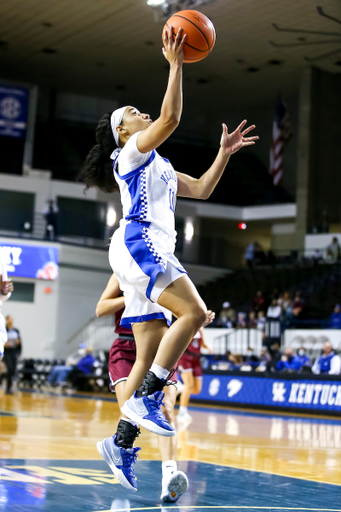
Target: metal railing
[(237, 342), (97, 334)]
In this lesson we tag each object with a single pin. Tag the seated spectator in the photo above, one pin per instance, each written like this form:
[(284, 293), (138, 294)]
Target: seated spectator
[(241, 321), (251, 358), (264, 356), (297, 309), (333, 250), (235, 361), (303, 357), (249, 255), (227, 316), (289, 362), (285, 302), (261, 319), (274, 310), (335, 318), (258, 302), (252, 322), (59, 373), (328, 362), (84, 366)]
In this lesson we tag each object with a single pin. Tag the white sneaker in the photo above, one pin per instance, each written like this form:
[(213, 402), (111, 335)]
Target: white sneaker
[(184, 416), (174, 486)]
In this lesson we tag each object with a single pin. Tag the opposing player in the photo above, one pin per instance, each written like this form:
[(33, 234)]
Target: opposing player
[(154, 283), (190, 368)]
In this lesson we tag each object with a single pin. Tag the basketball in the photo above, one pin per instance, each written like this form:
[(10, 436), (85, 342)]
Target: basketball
[(200, 32)]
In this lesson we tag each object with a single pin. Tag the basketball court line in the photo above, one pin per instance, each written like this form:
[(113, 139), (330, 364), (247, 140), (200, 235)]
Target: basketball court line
[(223, 507)]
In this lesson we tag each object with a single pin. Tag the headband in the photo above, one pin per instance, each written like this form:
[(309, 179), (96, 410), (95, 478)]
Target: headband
[(116, 120)]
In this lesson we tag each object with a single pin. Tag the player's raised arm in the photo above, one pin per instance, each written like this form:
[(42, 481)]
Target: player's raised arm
[(171, 109), (230, 143), (111, 299)]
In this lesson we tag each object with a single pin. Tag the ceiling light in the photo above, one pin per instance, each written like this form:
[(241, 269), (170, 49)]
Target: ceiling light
[(111, 217), (189, 230), (153, 3)]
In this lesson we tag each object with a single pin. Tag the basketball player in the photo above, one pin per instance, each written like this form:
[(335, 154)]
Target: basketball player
[(6, 288), (122, 356), (154, 283), (191, 373)]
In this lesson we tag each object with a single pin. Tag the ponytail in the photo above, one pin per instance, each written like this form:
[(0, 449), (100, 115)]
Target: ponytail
[(97, 170)]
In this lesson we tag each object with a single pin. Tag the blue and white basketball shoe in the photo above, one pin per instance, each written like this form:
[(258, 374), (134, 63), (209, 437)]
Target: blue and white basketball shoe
[(120, 461), (146, 411)]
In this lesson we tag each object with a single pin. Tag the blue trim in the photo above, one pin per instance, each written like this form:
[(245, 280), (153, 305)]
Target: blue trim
[(135, 241), (127, 321), (139, 169)]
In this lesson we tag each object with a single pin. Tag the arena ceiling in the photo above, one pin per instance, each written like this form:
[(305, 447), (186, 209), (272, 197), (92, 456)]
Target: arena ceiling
[(112, 49)]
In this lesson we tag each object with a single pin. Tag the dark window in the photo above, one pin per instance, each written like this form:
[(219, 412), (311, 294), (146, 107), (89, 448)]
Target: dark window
[(79, 217), (23, 292), (16, 208)]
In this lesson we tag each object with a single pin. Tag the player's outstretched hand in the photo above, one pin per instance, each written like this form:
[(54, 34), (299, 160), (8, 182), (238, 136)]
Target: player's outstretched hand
[(173, 49), (210, 316), (232, 142)]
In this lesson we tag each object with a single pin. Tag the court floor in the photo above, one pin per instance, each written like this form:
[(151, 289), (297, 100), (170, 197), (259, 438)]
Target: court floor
[(235, 460)]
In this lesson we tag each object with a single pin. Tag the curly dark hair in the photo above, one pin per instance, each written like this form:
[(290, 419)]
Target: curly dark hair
[(97, 170)]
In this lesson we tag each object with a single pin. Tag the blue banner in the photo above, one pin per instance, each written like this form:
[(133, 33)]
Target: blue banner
[(35, 261), (13, 111), (300, 394)]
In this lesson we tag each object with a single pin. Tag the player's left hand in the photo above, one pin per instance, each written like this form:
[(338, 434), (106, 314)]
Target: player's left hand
[(210, 316), (231, 142)]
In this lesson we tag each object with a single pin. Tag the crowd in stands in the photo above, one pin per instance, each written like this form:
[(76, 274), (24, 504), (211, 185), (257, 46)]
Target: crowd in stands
[(273, 359), (277, 306), (256, 255)]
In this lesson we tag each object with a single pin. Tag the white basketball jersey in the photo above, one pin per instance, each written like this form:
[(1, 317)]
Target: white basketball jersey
[(148, 186)]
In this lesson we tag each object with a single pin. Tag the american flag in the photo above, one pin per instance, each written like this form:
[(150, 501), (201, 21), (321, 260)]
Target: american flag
[(281, 133)]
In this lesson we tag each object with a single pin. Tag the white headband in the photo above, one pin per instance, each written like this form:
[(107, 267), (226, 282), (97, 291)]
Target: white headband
[(116, 120)]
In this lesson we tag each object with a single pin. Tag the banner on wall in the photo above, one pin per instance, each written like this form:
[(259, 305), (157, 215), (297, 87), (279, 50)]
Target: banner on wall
[(300, 394), (13, 111), (35, 261)]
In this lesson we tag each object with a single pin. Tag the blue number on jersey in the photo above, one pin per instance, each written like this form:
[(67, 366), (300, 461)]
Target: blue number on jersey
[(172, 200)]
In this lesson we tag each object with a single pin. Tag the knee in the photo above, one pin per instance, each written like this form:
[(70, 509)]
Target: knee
[(199, 316)]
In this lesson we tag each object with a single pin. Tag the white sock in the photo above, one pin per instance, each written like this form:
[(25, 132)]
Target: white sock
[(130, 421), (182, 409), (168, 468), (161, 373)]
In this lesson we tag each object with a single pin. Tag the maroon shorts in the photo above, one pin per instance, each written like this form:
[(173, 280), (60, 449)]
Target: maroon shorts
[(122, 357), (188, 363)]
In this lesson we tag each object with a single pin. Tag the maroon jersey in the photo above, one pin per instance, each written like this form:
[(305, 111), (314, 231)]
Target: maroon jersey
[(195, 345), (118, 329)]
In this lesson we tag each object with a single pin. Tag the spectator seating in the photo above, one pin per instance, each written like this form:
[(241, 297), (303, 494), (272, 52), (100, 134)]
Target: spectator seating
[(33, 373)]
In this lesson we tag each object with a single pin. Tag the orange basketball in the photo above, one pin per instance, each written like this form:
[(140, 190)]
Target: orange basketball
[(200, 32)]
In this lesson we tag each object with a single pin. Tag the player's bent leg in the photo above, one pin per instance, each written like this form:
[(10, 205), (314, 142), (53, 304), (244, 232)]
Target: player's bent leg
[(118, 451), (144, 405), (174, 482), (183, 300)]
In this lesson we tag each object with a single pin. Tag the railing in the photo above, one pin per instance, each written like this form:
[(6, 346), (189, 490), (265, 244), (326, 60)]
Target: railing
[(237, 341), (97, 334)]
